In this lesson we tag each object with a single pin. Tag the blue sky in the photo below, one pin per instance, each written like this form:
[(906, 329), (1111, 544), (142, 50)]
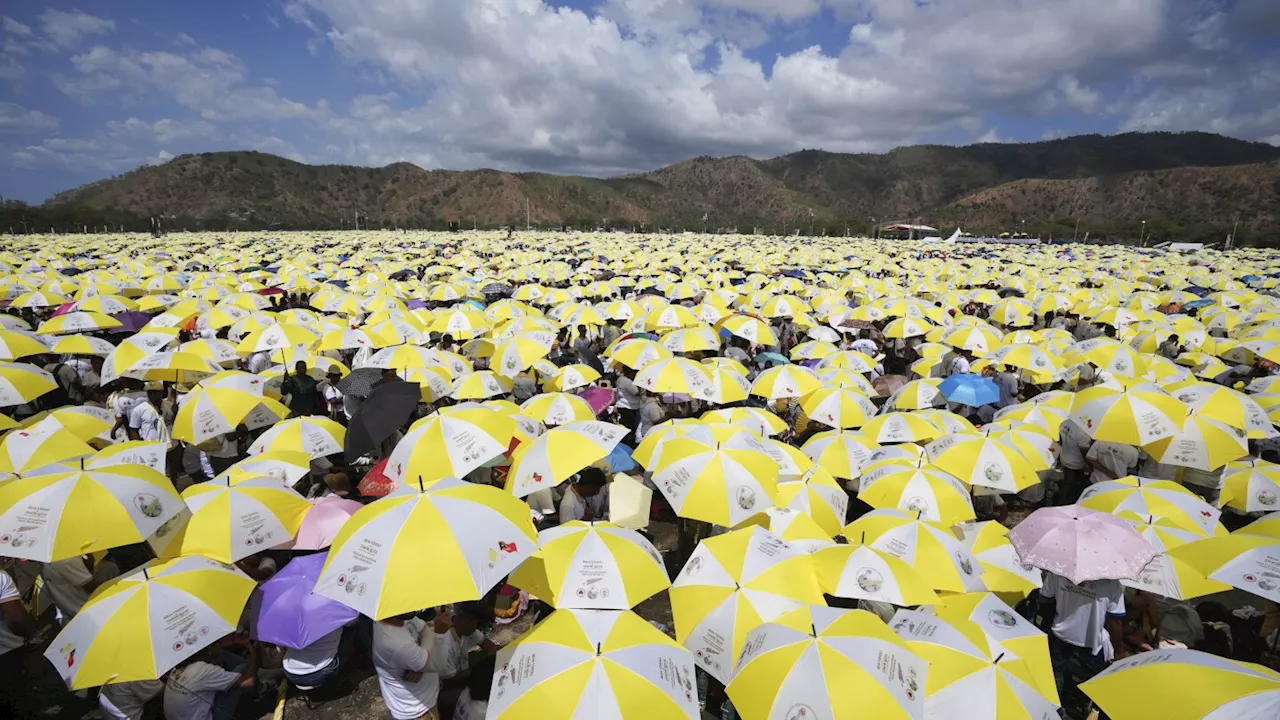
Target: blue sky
[(92, 89)]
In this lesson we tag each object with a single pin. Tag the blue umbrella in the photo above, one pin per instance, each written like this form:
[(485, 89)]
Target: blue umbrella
[(969, 389), (1197, 304), (620, 460), (769, 358)]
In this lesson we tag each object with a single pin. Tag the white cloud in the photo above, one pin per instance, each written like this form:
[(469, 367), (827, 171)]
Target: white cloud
[(209, 81), (67, 29), (1084, 99), (16, 119), (992, 135), (631, 88), (13, 27)]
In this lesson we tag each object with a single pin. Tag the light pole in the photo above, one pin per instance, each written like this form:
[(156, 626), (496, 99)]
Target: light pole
[(1075, 232), (1235, 223), (1142, 237), (875, 229), (474, 224)]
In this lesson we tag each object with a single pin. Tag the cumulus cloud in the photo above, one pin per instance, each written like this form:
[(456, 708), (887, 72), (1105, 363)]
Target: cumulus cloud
[(19, 120), (635, 84), (67, 29)]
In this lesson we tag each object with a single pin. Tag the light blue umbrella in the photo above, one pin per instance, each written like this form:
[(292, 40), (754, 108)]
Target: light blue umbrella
[(969, 389)]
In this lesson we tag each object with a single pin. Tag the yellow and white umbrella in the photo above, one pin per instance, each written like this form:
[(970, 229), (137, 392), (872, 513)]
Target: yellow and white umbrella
[(1229, 407), (21, 383), (315, 436), (1182, 684), (731, 584), (1131, 418), (970, 674), (860, 572), (848, 360), (593, 664), (277, 337), (1250, 486), (1113, 357), (676, 375), (449, 445), (214, 350), (838, 407), (1006, 628), (717, 485), (81, 345), (699, 338), (818, 495), (141, 625), (900, 427), (77, 322), (477, 534), (822, 662), (932, 549), (843, 453), (1144, 498), (1032, 358), (785, 381), (927, 491), (572, 377), (1044, 416), (917, 395), (749, 328), (14, 345), (67, 514), (595, 566), (1247, 562), (559, 453), (222, 403), (983, 461), (636, 353), (757, 420), (234, 518), (26, 450), (513, 356), (481, 385), (1169, 576), (557, 408)]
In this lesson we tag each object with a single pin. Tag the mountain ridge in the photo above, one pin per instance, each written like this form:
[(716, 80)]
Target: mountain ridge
[(1184, 184)]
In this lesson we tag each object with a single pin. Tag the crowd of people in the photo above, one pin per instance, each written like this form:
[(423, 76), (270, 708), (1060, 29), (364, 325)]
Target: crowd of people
[(992, 342)]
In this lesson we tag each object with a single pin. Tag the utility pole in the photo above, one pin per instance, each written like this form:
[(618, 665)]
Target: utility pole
[(528, 224), (475, 225), (810, 222), (1142, 237), (1235, 223), (1075, 232)]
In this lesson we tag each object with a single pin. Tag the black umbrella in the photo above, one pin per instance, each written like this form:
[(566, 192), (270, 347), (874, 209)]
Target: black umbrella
[(387, 408), (359, 382)]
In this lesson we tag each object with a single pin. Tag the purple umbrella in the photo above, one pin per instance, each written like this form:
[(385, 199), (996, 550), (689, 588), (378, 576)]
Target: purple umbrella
[(1080, 544), (130, 322), (293, 616), (416, 304)]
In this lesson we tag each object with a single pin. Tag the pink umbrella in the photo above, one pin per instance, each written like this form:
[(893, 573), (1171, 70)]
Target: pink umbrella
[(598, 398), (323, 521), (1080, 544)]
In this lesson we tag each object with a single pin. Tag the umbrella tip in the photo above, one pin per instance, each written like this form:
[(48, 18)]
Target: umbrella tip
[(599, 649), (997, 660), (421, 487)]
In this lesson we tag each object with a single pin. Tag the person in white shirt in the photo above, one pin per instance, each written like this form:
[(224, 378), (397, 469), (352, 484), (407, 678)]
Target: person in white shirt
[(452, 648), (409, 688), (1110, 461), (1074, 445), (959, 364), (319, 662), (576, 503), (630, 399), (121, 403), (126, 700), (198, 689), (258, 362), (145, 419), (69, 583), (1087, 623)]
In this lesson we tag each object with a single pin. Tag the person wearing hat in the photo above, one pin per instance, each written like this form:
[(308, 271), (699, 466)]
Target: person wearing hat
[(303, 391), (332, 396)]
